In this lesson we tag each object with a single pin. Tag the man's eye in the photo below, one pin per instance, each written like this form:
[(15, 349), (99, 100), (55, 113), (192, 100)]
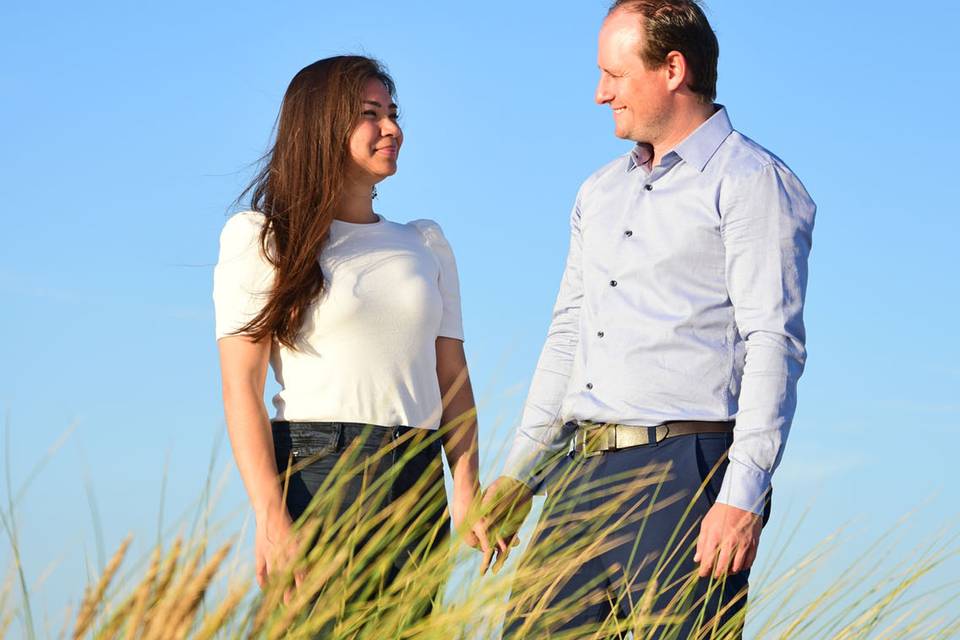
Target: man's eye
[(394, 116)]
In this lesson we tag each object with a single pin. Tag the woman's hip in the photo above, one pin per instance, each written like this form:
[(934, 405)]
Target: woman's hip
[(353, 463)]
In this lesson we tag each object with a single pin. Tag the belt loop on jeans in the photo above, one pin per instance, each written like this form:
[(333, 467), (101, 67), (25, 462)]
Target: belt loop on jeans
[(336, 442)]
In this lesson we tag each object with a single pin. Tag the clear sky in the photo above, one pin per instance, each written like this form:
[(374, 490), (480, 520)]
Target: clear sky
[(129, 129)]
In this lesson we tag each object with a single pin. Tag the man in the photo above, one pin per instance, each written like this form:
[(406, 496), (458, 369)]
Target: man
[(680, 309)]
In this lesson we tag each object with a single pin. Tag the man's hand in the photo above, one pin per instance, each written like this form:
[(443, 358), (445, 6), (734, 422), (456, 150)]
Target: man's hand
[(728, 541), (506, 503)]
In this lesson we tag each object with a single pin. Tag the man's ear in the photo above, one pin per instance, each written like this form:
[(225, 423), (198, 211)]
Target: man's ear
[(675, 67)]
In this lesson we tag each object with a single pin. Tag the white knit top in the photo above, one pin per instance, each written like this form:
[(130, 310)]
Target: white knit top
[(367, 349)]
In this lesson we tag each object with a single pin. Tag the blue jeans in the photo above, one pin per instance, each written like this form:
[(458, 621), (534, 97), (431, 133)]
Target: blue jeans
[(402, 456)]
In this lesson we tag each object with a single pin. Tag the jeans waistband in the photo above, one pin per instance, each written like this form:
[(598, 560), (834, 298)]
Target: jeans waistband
[(309, 438)]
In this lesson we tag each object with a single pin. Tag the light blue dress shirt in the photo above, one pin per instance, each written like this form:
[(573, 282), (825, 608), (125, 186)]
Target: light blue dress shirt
[(681, 299)]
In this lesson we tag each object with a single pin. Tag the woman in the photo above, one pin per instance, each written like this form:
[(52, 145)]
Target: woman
[(359, 317)]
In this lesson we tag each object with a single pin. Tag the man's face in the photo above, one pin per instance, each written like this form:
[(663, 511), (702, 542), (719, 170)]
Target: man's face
[(640, 97)]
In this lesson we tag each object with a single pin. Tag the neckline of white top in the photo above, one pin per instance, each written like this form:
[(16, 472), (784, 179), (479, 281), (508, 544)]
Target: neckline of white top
[(353, 225)]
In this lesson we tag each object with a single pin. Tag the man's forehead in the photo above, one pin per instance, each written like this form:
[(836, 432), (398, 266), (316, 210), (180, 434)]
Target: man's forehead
[(622, 18), (622, 25), (619, 38)]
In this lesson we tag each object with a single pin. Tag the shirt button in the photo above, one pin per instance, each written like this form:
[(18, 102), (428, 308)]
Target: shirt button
[(613, 283), (589, 385), (599, 334), (648, 187), (628, 233)]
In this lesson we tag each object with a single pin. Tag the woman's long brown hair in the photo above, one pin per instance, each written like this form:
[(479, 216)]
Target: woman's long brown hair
[(301, 180)]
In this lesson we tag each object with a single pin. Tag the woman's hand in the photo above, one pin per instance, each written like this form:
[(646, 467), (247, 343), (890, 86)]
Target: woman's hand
[(465, 512), (459, 422), (275, 546)]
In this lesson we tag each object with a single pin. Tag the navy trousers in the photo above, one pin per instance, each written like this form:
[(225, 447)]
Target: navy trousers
[(615, 546)]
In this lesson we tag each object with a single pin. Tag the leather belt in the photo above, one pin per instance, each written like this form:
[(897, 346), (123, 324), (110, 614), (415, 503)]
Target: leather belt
[(594, 438)]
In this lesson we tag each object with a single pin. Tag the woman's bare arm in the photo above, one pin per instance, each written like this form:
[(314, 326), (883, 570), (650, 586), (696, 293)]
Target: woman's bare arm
[(243, 367), (459, 421)]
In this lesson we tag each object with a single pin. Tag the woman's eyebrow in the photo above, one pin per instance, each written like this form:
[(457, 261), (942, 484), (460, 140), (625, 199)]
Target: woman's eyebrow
[(378, 105)]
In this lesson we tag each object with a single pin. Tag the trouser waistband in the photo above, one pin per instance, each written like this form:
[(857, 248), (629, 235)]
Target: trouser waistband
[(594, 438)]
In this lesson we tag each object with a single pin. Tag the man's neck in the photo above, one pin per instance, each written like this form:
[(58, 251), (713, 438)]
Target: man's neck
[(680, 128)]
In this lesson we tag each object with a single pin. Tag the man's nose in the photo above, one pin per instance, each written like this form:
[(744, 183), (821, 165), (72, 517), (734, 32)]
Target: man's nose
[(602, 94)]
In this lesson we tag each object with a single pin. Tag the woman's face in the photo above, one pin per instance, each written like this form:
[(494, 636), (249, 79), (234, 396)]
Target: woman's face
[(375, 143)]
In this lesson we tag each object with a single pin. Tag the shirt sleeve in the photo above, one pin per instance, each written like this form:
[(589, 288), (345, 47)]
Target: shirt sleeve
[(766, 225), (542, 435), (451, 323), (243, 277)]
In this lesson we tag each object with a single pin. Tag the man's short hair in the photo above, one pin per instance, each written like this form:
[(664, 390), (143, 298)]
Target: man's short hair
[(678, 25)]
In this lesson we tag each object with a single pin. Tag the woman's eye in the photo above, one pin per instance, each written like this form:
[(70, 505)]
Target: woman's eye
[(370, 113), (394, 116)]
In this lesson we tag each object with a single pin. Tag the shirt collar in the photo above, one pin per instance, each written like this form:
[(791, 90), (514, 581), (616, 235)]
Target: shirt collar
[(697, 148)]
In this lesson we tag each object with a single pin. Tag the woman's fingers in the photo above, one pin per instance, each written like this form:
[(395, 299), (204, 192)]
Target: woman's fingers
[(261, 570), (487, 557), (479, 534)]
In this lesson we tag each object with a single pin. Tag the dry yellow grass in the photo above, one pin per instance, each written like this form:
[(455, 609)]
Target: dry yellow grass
[(180, 595)]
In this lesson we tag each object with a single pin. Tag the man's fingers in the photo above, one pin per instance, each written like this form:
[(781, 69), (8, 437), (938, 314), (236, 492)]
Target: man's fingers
[(740, 560), (501, 559), (707, 554), (722, 566)]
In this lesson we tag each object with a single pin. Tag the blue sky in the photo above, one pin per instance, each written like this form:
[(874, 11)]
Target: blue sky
[(131, 128)]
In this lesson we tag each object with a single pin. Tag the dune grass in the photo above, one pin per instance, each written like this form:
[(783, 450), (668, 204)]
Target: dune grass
[(187, 588)]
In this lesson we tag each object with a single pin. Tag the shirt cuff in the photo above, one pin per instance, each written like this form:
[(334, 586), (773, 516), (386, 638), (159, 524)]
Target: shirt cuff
[(533, 468), (521, 465), (744, 487)]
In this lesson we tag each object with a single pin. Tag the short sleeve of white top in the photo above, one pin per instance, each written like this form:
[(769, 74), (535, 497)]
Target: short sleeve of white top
[(367, 349)]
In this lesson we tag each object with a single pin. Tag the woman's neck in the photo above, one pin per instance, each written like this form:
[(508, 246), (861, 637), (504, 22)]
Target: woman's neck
[(356, 204)]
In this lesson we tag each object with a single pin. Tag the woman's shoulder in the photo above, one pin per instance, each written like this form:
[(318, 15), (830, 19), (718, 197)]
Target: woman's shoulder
[(242, 228), (243, 224), (431, 232), (240, 233)]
